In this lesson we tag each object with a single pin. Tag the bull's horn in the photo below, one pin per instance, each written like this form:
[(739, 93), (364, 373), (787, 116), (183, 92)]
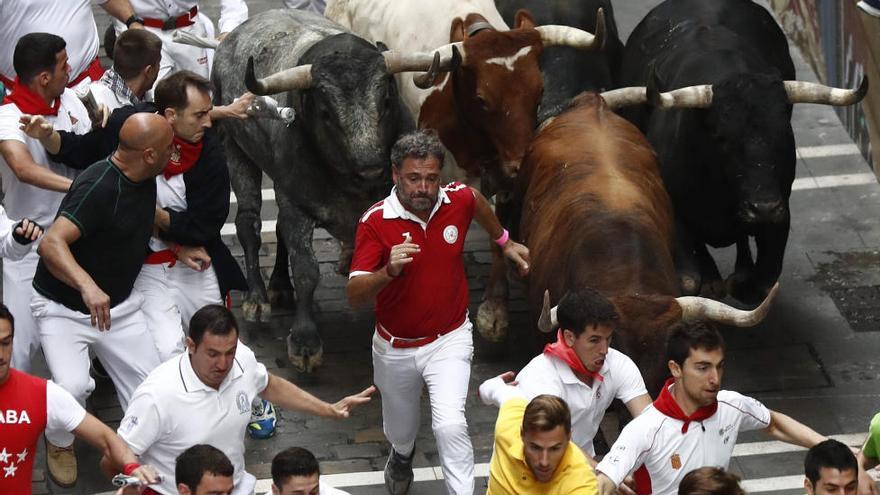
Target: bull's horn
[(553, 35), (687, 97), (299, 77), (547, 321), (807, 92), (622, 97), (701, 308), (430, 64)]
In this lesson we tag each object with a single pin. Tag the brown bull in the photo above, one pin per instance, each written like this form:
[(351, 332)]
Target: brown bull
[(595, 213)]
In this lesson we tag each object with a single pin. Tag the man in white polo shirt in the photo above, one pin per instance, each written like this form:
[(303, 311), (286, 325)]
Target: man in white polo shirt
[(205, 395), (692, 423), (583, 369), (32, 183)]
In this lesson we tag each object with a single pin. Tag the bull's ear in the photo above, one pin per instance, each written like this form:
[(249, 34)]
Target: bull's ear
[(523, 20), (456, 33), (381, 46)]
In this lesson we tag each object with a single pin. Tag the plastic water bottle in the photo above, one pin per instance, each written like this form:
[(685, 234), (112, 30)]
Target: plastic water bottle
[(267, 107)]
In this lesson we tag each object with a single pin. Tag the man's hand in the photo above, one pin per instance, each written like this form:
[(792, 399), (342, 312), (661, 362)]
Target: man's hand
[(27, 231), (401, 255), (867, 486), (194, 257), (238, 108), (342, 409), (104, 112), (222, 35), (98, 303), (147, 474), (35, 126), (507, 377), (628, 487), (519, 254)]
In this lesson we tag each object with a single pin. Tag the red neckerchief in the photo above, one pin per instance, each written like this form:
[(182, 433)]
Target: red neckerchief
[(561, 350), (29, 102), (183, 158), (666, 404)]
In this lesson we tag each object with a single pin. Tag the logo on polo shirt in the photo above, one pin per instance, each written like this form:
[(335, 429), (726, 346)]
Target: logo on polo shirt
[(244, 405), (676, 461), (128, 423), (450, 234)]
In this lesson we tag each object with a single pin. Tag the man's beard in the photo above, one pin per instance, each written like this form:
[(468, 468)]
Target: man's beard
[(418, 203)]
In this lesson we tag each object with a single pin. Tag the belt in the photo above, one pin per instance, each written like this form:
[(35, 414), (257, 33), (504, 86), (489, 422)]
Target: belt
[(403, 343), (183, 20), (161, 257)]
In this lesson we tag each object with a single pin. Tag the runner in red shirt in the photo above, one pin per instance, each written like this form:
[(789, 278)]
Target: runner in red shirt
[(29, 405), (408, 258)]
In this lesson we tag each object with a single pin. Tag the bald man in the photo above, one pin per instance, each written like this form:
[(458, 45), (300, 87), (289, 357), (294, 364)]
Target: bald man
[(89, 259)]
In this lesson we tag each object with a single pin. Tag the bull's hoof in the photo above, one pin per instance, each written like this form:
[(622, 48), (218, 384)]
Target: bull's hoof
[(745, 290), (304, 358), (713, 289), (690, 286), (492, 321), (251, 311), (282, 298)]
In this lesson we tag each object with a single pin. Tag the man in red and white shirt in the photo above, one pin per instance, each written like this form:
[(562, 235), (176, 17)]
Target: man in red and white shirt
[(29, 405), (408, 258), (583, 369), (693, 423), (72, 20)]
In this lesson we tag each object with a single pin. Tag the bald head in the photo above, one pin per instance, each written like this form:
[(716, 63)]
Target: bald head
[(144, 145), (144, 130)]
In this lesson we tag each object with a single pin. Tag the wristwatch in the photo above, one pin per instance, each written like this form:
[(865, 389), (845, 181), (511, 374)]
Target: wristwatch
[(134, 19)]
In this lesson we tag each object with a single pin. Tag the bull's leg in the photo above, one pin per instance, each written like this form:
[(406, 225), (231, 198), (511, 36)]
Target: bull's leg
[(713, 285), (771, 243), (246, 179), (304, 348), (744, 270), (280, 287), (686, 261), (492, 319)]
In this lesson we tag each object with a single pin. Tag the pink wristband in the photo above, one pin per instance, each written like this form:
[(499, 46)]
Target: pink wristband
[(505, 236)]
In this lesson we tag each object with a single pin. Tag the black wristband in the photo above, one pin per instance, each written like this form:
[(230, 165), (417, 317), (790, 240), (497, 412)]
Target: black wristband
[(20, 238), (134, 19)]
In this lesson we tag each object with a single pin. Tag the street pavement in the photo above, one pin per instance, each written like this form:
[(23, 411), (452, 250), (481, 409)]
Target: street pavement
[(814, 357)]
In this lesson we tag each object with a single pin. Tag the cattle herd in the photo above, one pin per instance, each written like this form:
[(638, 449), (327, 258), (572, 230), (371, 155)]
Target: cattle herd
[(618, 165)]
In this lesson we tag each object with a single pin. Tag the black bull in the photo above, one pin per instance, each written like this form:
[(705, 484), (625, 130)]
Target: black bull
[(720, 120)]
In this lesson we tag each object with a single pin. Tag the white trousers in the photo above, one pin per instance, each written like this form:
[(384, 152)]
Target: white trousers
[(445, 367), (17, 289), (171, 296), (126, 350)]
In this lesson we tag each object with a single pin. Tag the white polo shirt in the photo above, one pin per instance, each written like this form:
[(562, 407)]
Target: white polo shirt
[(550, 375), (24, 200), (70, 19), (173, 410), (656, 440)]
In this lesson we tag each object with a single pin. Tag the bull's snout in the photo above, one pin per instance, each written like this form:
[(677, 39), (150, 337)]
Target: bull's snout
[(511, 168), (763, 211)]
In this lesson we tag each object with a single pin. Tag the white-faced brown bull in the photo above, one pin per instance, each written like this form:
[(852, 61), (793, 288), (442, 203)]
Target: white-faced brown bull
[(720, 121), (328, 166), (595, 213)]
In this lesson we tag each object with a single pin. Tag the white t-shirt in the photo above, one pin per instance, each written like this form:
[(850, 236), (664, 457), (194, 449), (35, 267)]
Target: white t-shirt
[(656, 440), (63, 412), (71, 19), (10, 249), (24, 200), (173, 410), (106, 96), (550, 375)]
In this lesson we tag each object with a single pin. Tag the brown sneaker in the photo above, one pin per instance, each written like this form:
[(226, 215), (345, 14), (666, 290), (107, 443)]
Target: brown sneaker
[(61, 462)]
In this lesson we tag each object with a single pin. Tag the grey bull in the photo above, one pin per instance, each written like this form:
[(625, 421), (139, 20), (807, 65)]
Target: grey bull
[(328, 166)]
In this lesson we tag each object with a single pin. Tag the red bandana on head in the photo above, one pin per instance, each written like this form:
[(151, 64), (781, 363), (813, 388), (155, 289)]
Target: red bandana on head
[(29, 102), (561, 350), (666, 404), (183, 158)]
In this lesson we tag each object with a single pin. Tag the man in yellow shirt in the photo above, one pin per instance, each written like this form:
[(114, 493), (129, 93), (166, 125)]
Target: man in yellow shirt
[(533, 448)]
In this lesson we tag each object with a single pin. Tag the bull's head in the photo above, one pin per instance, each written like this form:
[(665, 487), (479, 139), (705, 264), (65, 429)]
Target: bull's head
[(347, 95), (498, 85), (749, 119)]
